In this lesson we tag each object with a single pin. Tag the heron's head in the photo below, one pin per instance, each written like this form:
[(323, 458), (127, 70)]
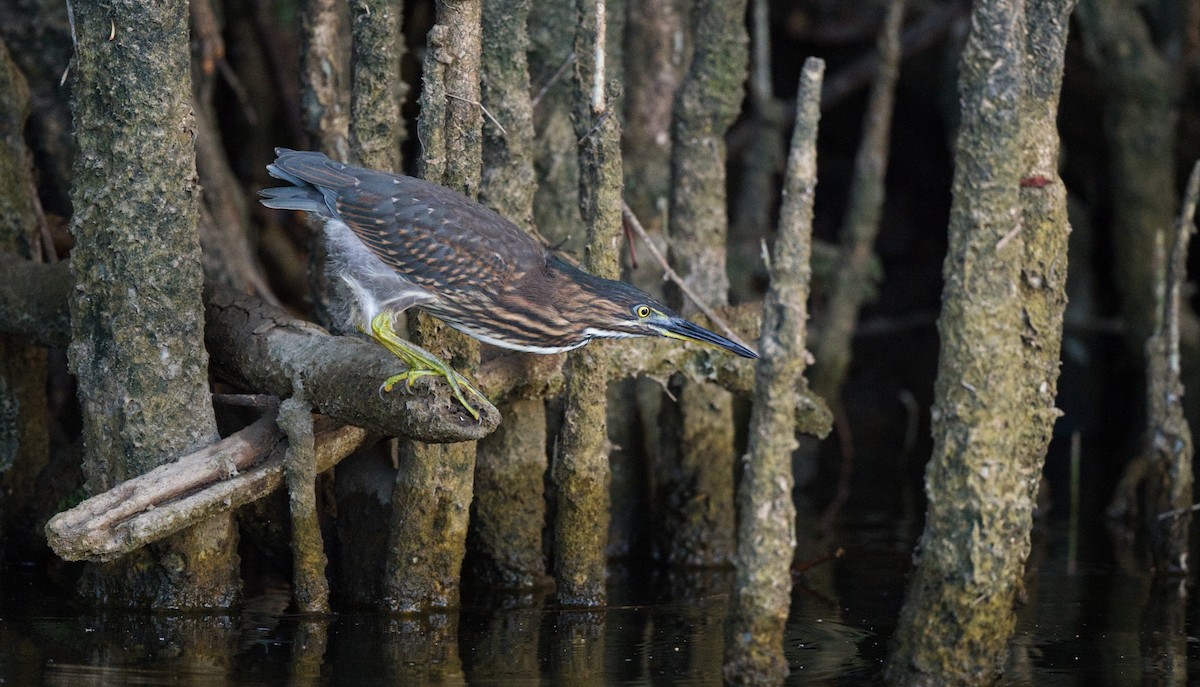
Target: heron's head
[(617, 310)]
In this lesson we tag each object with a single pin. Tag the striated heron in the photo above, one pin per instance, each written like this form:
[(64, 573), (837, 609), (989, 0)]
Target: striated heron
[(398, 242)]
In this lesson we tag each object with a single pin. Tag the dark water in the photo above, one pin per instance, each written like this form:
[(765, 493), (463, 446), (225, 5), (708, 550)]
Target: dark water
[(1101, 624)]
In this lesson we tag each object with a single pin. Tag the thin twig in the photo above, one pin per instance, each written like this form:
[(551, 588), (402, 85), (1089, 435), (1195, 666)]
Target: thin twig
[(481, 107), (595, 127), (669, 273), (1177, 268), (48, 252), (820, 560), (598, 102), (239, 91), (553, 79), (1179, 511), (246, 400), (633, 261)]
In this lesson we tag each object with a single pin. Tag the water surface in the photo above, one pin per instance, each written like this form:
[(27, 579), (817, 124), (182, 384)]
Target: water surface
[(1102, 623)]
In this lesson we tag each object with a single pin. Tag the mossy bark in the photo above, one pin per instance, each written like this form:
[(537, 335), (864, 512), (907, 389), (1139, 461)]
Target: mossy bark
[(1140, 120), (695, 470), (137, 320), (24, 420), (556, 158), (508, 183), (580, 471), (432, 496), (653, 72), (377, 90), (1001, 329), (326, 74), (310, 588), (38, 36), (1143, 80), (766, 541), (326, 104), (650, 69), (509, 512), (1169, 479)]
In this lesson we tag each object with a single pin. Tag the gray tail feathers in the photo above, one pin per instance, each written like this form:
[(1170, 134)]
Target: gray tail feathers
[(304, 197), (293, 167)]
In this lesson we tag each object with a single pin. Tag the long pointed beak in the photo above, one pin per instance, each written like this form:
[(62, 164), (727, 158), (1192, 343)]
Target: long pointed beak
[(679, 328)]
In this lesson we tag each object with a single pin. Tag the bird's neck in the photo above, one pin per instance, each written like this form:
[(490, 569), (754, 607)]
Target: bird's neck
[(573, 293), (580, 281)]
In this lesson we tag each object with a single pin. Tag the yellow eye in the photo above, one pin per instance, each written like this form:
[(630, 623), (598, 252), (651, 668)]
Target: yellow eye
[(643, 311)]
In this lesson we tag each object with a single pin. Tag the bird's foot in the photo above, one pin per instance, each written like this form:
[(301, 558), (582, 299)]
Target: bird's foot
[(408, 377), (456, 381), (421, 363)]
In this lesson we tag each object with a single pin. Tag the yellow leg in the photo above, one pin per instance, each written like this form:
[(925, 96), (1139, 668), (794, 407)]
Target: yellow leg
[(420, 362)]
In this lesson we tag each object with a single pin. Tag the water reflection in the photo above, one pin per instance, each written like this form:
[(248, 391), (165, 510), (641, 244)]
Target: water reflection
[(1103, 625), (98, 649), (679, 640), (502, 644)]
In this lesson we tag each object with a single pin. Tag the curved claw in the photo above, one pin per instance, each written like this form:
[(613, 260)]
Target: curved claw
[(390, 382), (420, 363), (453, 378)]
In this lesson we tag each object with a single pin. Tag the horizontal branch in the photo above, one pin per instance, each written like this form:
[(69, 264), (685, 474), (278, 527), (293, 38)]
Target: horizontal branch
[(255, 345), (235, 471), (659, 358), (260, 347)]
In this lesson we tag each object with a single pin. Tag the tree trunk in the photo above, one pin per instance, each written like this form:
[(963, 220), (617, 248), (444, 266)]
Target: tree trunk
[(509, 511), (24, 420), (432, 496), (695, 472), (766, 542), (1001, 329), (137, 320), (580, 471)]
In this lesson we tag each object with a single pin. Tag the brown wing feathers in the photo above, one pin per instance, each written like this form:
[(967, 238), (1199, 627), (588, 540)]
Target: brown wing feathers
[(429, 233), (314, 168)]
